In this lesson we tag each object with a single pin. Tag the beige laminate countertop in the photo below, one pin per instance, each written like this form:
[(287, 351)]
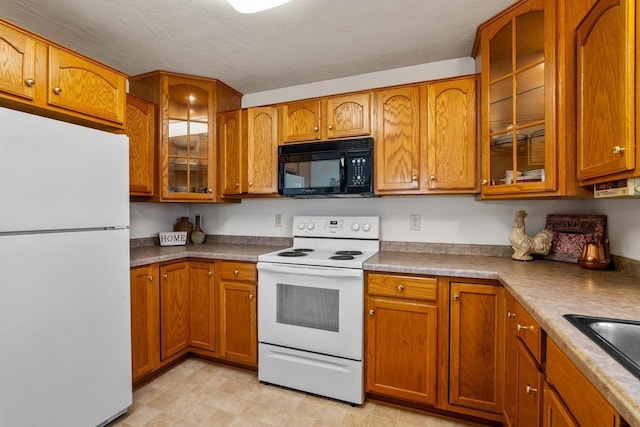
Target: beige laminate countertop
[(547, 289), (225, 251)]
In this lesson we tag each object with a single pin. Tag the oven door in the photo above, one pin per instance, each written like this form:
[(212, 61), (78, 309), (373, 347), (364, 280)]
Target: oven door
[(311, 308)]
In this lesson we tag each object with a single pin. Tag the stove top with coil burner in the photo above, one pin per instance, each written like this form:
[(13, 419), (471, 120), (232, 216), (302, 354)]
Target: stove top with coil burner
[(343, 242)]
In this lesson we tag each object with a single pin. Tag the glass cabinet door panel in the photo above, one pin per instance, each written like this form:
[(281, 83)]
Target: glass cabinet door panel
[(501, 162), (501, 105), (179, 101), (198, 135), (530, 106), (500, 53), (529, 39), (179, 143), (198, 176), (178, 179)]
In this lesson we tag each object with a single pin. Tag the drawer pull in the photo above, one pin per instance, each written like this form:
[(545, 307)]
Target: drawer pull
[(401, 287), (529, 390), (511, 314), (30, 82), (519, 327), (371, 312), (235, 272), (57, 90)]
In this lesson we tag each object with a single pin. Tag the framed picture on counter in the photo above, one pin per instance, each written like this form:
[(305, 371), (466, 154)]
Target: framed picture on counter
[(570, 233)]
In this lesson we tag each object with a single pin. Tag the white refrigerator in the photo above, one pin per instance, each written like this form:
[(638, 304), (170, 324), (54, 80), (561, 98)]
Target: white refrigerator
[(65, 345)]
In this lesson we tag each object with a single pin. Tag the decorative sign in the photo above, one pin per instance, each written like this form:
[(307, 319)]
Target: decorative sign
[(173, 238)]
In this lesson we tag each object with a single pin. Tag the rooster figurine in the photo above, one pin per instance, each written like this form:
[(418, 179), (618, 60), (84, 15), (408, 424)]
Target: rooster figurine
[(523, 245)]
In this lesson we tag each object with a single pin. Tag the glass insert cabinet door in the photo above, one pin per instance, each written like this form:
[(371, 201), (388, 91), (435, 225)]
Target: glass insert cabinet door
[(518, 77), (188, 139)]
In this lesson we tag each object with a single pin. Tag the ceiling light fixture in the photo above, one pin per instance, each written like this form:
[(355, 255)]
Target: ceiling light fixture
[(253, 6)]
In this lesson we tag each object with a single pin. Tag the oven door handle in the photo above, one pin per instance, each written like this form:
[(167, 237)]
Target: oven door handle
[(306, 270)]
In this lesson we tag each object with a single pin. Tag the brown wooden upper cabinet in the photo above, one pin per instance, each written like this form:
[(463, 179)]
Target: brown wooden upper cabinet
[(607, 120), (262, 151), (397, 139), (528, 93), (41, 77), (248, 143), (333, 117), (230, 147), (425, 140), (188, 153), (141, 132)]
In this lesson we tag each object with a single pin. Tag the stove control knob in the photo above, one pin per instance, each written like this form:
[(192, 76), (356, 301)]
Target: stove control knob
[(355, 226), (311, 226), (301, 226), (366, 227)]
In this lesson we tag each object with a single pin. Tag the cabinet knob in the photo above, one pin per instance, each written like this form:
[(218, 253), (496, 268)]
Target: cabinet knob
[(210, 273), (511, 314), (456, 297), (528, 389), (166, 276), (250, 184), (316, 128), (57, 90), (210, 190), (150, 278), (484, 182), (329, 127), (235, 272), (414, 177), (432, 177), (30, 82), (371, 312), (250, 296), (617, 149), (520, 327), (237, 184), (401, 287)]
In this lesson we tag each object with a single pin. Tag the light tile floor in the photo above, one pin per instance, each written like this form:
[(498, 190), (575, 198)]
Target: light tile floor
[(198, 393)]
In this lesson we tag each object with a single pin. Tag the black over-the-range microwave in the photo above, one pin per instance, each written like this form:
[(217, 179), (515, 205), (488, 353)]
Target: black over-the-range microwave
[(326, 169)]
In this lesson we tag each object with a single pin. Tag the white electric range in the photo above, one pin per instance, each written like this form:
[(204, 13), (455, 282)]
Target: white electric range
[(310, 309)]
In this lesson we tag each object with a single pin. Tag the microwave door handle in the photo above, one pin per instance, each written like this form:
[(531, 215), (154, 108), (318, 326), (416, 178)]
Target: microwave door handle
[(343, 173), (306, 270)]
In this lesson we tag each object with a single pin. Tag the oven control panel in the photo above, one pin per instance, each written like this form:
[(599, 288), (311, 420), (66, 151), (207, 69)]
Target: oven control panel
[(345, 227)]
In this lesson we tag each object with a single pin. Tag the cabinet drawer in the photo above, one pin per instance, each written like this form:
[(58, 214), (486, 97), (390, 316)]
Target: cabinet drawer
[(423, 288), (528, 331), (245, 271), (583, 400)]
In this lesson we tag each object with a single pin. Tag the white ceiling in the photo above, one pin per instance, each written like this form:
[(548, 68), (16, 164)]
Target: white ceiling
[(300, 42)]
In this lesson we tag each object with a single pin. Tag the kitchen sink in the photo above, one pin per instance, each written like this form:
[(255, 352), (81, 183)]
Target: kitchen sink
[(619, 338)]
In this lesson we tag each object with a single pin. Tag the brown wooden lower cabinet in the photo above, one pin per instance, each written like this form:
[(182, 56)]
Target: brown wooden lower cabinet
[(174, 308), (203, 305), (575, 395), (555, 414), (476, 347), (523, 373), (185, 306), (401, 337), (145, 347), (238, 311)]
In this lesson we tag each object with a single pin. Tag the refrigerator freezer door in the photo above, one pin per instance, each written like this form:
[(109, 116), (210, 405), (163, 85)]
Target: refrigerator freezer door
[(56, 175), (64, 328)]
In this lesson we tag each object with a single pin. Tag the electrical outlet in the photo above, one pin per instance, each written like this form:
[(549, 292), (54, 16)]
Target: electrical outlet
[(278, 220), (414, 222)]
